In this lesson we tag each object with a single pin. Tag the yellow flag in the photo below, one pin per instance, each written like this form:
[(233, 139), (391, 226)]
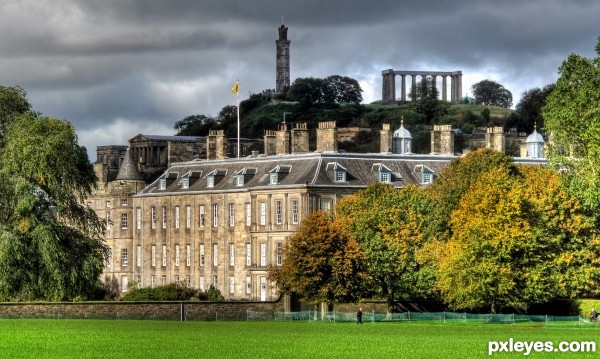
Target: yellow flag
[(234, 89)]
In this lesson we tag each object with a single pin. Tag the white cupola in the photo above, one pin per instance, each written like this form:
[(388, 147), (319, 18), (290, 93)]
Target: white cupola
[(402, 140)]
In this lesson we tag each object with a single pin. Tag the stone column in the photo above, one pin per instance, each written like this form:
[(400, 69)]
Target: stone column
[(384, 86), (403, 90), (413, 90), (453, 86), (444, 85), (459, 78), (392, 84)]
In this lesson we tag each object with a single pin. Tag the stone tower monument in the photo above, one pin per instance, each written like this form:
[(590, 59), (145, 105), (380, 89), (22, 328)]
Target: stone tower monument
[(282, 79)]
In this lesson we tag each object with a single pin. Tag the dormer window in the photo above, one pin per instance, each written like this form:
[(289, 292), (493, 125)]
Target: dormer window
[(385, 177), (214, 177), (239, 180), (339, 176), (425, 174), (185, 183), (273, 178), (339, 172), (189, 178), (278, 173), (162, 184), (384, 174), (244, 174)]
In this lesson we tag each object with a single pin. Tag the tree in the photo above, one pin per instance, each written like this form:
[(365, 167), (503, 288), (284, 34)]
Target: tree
[(333, 89), (321, 263), (51, 246), (454, 181), (572, 118), (571, 229), (529, 109), (13, 102), (195, 125), (424, 89), (391, 227), (497, 256), (307, 90), (491, 93), (342, 89)]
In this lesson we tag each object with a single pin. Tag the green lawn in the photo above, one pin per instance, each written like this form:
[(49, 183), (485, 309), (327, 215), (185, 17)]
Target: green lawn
[(65, 338)]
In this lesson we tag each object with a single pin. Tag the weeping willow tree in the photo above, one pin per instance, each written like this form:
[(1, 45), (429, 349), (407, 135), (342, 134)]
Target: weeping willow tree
[(51, 245)]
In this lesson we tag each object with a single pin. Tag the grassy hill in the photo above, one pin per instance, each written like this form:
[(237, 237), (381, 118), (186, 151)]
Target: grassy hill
[(258, 115)]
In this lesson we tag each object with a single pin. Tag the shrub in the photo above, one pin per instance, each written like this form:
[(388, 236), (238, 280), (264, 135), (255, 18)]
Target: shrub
[(214, 295), (160, 293)]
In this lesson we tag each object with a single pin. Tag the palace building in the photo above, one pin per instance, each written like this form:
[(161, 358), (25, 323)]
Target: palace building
[(223, 221)]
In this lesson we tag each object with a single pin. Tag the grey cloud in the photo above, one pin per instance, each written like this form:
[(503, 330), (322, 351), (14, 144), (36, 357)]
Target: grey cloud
[(94, 61)]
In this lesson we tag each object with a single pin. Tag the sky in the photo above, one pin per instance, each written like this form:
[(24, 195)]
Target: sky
[(118, 68)]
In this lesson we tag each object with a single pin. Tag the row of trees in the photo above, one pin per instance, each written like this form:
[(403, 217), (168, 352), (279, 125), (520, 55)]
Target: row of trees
[(51, 246), (487, 234)]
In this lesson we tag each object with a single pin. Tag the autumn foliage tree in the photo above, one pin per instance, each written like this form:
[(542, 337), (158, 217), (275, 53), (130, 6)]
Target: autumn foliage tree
[(517, 238), (321, 263), (391, 226)]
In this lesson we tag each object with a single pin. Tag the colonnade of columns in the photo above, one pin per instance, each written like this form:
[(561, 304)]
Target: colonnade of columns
[(389, 83), (149, 155)]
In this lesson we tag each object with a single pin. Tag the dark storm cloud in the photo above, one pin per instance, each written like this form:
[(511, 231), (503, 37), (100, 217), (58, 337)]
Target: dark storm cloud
[(115, 68)]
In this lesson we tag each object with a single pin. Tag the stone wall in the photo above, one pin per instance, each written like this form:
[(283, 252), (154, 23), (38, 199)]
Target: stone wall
[(140, 310)]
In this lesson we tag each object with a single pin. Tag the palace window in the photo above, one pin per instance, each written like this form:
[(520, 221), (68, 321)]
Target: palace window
[(295, 211), (278, 212), (124, 259)]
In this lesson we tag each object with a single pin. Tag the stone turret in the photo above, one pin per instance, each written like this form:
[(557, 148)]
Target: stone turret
[(128, 170)]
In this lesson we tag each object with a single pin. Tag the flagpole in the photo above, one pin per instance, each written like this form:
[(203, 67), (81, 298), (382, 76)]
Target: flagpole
[(238, 124), (235, 89)]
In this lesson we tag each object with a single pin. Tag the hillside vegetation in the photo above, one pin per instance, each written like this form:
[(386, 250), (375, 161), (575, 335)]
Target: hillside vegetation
[(259, 114)]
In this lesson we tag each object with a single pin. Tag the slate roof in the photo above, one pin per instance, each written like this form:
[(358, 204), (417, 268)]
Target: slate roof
[(159, 138), (296, 170), (128, 170)]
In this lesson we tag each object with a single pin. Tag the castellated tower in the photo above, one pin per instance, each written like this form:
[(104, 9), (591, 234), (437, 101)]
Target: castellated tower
[(327, 137), (216, 146), (495, 139), (282, 76), (442, 140)]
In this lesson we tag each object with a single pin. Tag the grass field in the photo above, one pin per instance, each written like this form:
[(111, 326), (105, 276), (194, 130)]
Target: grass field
[(65, 338)]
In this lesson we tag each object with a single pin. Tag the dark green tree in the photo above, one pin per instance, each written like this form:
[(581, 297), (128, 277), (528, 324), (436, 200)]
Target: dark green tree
[(491, 93), (529, 109), (195, 125), (424, 89)]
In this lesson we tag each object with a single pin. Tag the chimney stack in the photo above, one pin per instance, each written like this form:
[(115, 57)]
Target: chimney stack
[(327, 137)]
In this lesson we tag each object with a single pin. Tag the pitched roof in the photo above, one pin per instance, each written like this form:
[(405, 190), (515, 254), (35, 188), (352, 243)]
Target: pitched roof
[(303, 170)]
